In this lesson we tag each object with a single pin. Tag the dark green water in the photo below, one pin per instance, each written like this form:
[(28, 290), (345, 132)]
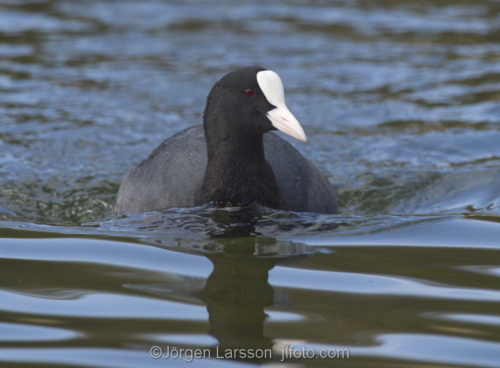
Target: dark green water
[(401, 104)]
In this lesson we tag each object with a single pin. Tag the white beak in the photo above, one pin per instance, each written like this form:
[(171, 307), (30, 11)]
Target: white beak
[(281, 118)]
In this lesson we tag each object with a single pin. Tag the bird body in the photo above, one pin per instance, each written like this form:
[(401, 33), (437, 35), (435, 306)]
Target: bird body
[(230, 160)]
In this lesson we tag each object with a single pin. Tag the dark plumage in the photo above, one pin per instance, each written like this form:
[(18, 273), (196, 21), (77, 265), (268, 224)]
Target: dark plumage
[(230, 161)]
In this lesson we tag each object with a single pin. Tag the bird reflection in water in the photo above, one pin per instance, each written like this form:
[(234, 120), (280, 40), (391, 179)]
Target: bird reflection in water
[(237, 292)]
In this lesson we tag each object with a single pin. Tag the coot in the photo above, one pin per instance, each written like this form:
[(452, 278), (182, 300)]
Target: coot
[(230, 161)]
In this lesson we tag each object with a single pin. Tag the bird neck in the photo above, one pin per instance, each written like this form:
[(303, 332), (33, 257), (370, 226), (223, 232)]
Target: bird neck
[(237, 172)]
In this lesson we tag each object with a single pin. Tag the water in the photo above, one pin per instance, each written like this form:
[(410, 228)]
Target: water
[(401, 105)]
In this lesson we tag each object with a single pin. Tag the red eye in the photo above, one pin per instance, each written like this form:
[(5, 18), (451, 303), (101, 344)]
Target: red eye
[(249, 93)]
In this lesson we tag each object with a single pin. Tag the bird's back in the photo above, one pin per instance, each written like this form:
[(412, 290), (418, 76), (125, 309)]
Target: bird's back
[(173, 174)]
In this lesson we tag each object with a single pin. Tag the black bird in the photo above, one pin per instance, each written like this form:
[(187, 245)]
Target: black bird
[(230, 161)]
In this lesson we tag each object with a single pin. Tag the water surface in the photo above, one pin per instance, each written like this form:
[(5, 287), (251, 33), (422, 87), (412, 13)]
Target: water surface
[(401, 105)]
